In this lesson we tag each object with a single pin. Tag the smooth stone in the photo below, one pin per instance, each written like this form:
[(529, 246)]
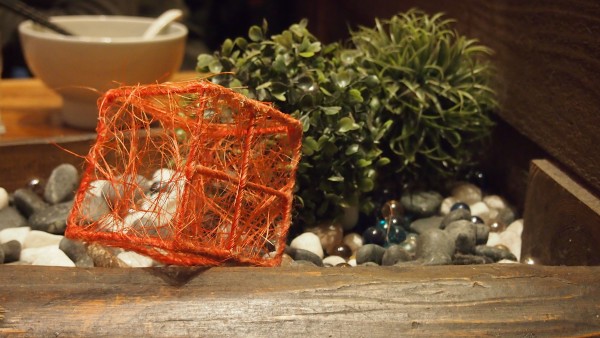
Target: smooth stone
[(38, 239), (409, 246), (52, 219), (343, 251), (350, 217), (495, 202), (330, 235), (286, 260), (467, 193), (422, 225), (480, 209), (482, 232), (506, 216), (28, 255), (447, 203), (374, 235), (333, 260), (135, 260), (369, 264), (308, 241), (94, 205), (343, 265), (76, 251), (163, 175), (495, 253), (455, 215), (464, 235), (435, 247), (1, 255), (305, 255), (105, 257), (370, 253), (114, 191), (17, 234), (62, 183), (508, 261), (11, 251), (3, 198), (395, 254), (11, 218), (423, 203), (353, 241), (352, 262), (465, 259), (28, 202), (53, 256)]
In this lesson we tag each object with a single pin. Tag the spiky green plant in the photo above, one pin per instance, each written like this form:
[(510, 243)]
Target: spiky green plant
[(436, 96)]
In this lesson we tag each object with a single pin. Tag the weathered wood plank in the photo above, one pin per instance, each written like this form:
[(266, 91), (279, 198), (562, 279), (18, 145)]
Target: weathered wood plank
[(562, 218), (492, 300), (547, 73)]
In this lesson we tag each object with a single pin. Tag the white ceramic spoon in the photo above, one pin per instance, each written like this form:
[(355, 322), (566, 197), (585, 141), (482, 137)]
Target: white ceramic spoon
[(161, 22)]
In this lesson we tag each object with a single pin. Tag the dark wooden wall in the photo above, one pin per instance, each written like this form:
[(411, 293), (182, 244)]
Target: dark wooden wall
[(546, 53)]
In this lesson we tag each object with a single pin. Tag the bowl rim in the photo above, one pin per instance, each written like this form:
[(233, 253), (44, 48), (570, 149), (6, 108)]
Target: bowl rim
[(25, 28)]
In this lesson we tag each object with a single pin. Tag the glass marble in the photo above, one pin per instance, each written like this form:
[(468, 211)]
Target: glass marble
[(396, 234), (460, 205), (392, 208), (374, 235), (477, 219)]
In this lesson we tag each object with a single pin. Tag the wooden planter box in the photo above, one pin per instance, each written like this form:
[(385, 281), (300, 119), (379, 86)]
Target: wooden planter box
[(542, 159)]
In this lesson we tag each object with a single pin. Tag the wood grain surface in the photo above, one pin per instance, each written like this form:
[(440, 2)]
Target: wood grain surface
[(492, 300), (546, 55), (562, 219)]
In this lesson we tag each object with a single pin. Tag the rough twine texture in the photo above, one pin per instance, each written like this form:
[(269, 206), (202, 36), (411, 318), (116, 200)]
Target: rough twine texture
[(228, 197)]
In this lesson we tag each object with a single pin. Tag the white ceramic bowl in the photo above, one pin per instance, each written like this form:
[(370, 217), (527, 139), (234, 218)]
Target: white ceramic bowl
[(107, 51)]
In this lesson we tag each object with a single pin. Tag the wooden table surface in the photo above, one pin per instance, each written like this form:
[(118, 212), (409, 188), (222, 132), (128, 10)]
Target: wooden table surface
[(30, 110)]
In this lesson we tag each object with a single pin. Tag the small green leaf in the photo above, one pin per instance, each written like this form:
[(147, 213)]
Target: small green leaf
[(203, 61), (346, 124), (352, 149), (331, 110), (226, 47), (215, 66), (255, 33), (336, 179), (264, 85), (355, 96), (363, 163)]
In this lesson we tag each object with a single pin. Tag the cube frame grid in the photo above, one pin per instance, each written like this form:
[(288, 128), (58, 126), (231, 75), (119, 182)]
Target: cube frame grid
[(232, 163)]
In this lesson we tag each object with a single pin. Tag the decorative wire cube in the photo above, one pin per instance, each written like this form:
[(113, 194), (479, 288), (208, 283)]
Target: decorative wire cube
[(189, 173)]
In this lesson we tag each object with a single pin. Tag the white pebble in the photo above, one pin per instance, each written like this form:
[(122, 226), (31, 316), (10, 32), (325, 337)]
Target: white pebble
[(50, 256), (308, 241), (3, 198), (163, 175), (135, 260), (38, 239), (17, 234), (480, 209), (352, 262), (333, 260), (507, 261), (495, 202), (447, 203), (467, 193)]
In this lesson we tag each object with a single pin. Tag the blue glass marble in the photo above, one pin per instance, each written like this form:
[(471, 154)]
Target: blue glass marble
[(460, 205), (396, 235), (374, 235)]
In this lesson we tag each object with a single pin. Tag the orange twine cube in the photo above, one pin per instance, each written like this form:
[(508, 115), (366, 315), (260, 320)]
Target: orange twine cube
[(189, 173)]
